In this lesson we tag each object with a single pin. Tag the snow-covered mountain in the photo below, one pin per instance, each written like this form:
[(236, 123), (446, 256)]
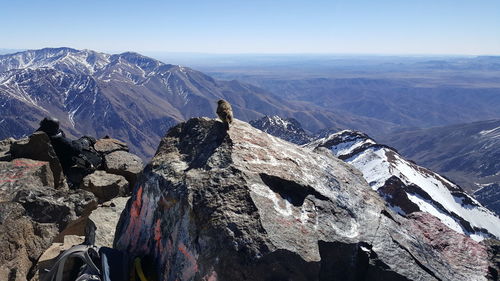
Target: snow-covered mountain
[(466, 153), (288, 129), (129, 96), (408, 187)]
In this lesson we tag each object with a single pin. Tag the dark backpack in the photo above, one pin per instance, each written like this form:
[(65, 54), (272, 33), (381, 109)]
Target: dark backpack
[(86, 156), (97, 264), (89, 271), (85, 160)]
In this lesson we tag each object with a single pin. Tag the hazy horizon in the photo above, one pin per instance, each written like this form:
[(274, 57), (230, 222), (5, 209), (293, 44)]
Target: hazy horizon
[(180, 53), (386, 27)]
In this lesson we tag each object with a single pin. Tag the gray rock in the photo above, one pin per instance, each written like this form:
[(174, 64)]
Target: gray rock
[(105, 186), (23, 174), (243, 205), (32, 222), (5, 149), (104, 220), (108, 145), (49, 205), (38, 147), (125, 164), (22, 241)]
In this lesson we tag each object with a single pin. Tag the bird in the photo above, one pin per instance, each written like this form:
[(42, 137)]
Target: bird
[(225, 112)]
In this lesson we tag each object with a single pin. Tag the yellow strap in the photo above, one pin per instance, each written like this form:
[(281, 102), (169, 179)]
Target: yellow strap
[(138, 269)]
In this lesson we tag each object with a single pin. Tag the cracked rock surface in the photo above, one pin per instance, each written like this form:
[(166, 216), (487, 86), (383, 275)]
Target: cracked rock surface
[(243, 205)]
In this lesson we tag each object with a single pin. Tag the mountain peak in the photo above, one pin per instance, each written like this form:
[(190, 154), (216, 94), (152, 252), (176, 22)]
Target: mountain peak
[(288, 129)]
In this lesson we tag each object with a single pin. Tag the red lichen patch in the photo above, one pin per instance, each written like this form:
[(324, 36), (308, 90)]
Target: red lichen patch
[(191, 270), (157, 237), (136, 205), (134, 226), (284, 222), (21, 163), (457, 249), (19, 170), (12, 176)]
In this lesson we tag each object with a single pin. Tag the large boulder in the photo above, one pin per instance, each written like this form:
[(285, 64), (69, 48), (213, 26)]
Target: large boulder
[(243, 205), (105, 186), (23, 174), (38, 147), (124, 164), (103, 221), (49, 205), (108, 145)]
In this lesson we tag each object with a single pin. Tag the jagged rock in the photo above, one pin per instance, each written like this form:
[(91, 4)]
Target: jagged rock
[(494, 257), (23, 174), (48, 205), (124, 164), (243, 205), (108, 145), (38, 147), (5, 149), (105, 186), (30, 224), (394, 194), (103, 222), (22, 241)]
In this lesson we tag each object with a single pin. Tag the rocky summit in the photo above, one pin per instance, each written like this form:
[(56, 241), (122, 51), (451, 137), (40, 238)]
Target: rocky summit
[(243, 205)]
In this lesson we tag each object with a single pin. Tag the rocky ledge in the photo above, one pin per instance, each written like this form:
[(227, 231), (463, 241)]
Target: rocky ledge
[(39, 214), (243, 205)]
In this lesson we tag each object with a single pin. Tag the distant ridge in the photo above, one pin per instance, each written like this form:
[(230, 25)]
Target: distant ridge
[(130, 96)]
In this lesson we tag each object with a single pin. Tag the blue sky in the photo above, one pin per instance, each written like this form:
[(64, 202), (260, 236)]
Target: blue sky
[(257, 26)]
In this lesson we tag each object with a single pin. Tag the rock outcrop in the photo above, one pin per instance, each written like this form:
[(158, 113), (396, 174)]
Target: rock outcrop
[(243, 205), (38, 147), (38, 210), (22, 174)]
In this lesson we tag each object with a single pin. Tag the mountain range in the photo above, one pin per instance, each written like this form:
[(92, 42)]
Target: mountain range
[(132, 97), (405, 92)]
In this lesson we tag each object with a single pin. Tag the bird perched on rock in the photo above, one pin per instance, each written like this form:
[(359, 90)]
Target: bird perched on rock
[(225, 112)]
